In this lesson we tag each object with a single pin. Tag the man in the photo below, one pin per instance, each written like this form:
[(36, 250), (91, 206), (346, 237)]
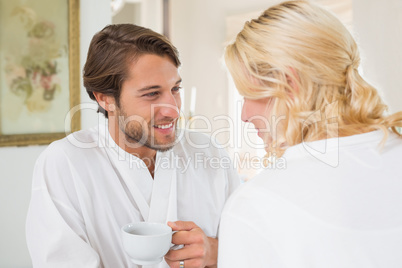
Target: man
[(90, 184)]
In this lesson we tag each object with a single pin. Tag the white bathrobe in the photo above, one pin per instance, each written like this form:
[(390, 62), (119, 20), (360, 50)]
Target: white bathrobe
[(337, 206), (85, 188)]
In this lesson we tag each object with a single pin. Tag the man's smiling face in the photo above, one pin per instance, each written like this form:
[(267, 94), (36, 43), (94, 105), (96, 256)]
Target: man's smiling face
[(149, 103)]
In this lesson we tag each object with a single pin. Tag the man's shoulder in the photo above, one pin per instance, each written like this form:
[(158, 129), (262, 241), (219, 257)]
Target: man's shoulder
[(193, 141), (73, 145), (192, 136)]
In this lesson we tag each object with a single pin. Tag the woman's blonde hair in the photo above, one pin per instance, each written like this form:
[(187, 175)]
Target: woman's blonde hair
[(300, 42)]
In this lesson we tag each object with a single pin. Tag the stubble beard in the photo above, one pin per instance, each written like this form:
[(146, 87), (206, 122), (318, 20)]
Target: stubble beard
[(139, 133)]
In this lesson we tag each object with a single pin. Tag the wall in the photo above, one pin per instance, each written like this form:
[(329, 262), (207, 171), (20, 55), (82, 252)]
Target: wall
[(378, 27), (16, 164), (198, 31)]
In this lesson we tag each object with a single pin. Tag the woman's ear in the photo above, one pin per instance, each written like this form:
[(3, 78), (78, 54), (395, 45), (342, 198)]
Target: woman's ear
[(107, 102), (293, 80)]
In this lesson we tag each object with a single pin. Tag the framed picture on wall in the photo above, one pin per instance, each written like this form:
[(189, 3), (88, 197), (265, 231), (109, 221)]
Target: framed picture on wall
[(39, 71)]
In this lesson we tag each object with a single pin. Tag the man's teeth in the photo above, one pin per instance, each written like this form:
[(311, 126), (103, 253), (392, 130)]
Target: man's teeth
[(164, 126)]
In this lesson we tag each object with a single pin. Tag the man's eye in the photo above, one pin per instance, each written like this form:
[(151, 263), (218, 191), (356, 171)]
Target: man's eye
[(176, 89), (152, 94)]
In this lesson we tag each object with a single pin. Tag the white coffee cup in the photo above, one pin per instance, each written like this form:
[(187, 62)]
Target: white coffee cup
[(146, 243)]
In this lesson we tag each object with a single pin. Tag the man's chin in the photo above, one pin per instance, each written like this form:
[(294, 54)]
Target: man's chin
[(160, 147), (164, 149), (163, 146)]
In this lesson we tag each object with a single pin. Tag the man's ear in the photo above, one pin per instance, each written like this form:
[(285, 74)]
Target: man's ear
[(107, 102)]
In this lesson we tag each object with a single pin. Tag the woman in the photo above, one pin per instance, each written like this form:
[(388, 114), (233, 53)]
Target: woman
[(338, 202)]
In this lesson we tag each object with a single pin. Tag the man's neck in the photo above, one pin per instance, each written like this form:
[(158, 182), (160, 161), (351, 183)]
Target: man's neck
[(147, 155)]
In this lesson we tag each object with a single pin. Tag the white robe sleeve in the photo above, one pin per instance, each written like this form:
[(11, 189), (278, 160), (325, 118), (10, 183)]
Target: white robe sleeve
[(55, 230)]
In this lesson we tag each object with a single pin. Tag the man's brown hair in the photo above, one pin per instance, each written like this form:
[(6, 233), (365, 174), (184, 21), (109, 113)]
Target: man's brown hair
[(113, 49)]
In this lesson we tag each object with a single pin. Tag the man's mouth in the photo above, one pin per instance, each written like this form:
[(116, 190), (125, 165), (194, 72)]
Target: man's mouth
[(164, 126)]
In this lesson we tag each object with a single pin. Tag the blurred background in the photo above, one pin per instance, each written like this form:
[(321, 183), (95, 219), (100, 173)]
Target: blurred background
[(199, 29)]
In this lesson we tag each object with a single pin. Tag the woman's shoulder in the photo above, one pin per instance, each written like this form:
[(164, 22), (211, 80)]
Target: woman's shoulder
[(250, 192)]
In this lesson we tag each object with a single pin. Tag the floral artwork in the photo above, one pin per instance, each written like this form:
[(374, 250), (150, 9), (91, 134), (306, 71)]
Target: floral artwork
[(33, 75), (35, 58)]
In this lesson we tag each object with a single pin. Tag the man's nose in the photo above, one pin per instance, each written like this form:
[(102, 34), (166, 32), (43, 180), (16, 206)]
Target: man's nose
[(170, 107)]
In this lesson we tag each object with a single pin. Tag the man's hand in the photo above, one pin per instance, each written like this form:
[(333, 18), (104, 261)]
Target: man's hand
[(199, 251)]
